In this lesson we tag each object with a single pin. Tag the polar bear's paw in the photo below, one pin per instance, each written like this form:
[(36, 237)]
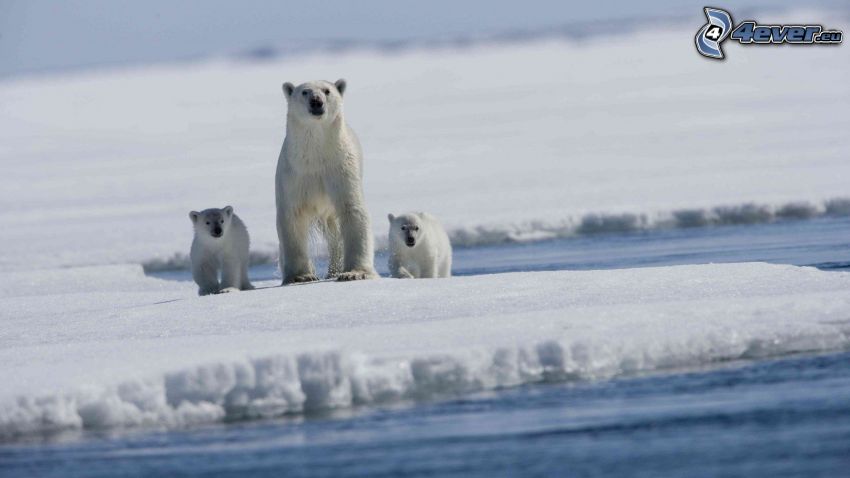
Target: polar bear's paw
[(228, 290), (356, 275), (301, 278), (331, 275), (404, 274)]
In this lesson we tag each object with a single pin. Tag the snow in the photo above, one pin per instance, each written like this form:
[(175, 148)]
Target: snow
[(111, 347), (502, 142)]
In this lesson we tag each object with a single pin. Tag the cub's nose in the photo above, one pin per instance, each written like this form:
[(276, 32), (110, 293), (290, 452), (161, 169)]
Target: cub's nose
[(216, 232), (410, 242)]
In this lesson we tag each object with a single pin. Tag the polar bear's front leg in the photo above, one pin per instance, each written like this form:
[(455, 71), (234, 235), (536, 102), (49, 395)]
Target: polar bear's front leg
[(205, 273), (234, 274), (428, 270), (293, 232), (330, 229), (358, 252), (397, 270)]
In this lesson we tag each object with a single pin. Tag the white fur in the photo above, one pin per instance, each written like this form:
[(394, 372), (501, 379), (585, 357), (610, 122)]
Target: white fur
[(319, 181), (226, 255), (431, 254)]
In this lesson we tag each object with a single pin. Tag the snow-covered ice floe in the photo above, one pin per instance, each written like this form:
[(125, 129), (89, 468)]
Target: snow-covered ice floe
[(110, 347)]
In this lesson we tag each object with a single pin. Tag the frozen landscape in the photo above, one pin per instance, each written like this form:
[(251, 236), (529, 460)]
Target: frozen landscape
[(103, 167), (513, 142)]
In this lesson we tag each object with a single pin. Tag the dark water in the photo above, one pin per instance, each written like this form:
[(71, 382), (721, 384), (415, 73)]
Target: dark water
[(788, 417), (780, 417), (823, 243)]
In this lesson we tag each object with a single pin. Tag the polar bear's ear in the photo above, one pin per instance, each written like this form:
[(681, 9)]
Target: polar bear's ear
[(288, 88), (228, 210), (391, 217), (340, 86), (194, 215)]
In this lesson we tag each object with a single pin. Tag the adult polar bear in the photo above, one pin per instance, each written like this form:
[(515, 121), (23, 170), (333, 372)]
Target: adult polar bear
[(319, 181)]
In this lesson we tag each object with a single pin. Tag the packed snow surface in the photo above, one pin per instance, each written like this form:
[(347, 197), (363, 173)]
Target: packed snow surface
[(502, 142), (108, 346)]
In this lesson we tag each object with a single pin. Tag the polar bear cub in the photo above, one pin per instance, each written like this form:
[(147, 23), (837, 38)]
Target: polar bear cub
[(419, 247), (220, 247), (319, 182)]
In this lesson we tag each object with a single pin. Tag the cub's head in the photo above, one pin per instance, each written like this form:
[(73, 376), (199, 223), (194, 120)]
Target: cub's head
[(212, 223), (406, 228), (318, 101)]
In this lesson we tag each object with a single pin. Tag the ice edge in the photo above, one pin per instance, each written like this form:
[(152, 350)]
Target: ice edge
[(747, 213), (282, 385)]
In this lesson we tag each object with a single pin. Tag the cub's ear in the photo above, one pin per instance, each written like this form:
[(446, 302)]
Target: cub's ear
[(288, 88), (194, 215), (228, 210), (391, 217), (340, 86)]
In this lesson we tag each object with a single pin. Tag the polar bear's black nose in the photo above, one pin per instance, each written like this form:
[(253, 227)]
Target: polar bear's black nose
[(410, 242), (216, 231), (317, 106)]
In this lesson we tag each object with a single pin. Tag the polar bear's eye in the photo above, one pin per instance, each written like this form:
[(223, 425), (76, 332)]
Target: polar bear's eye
[(304, 93), (221, 221), (208, 223), (403, 228), (327, 91), (416, 228)]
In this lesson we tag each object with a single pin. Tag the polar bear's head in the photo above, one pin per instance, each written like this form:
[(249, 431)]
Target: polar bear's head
[(406, 228), (317, 101), (212, 223)]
